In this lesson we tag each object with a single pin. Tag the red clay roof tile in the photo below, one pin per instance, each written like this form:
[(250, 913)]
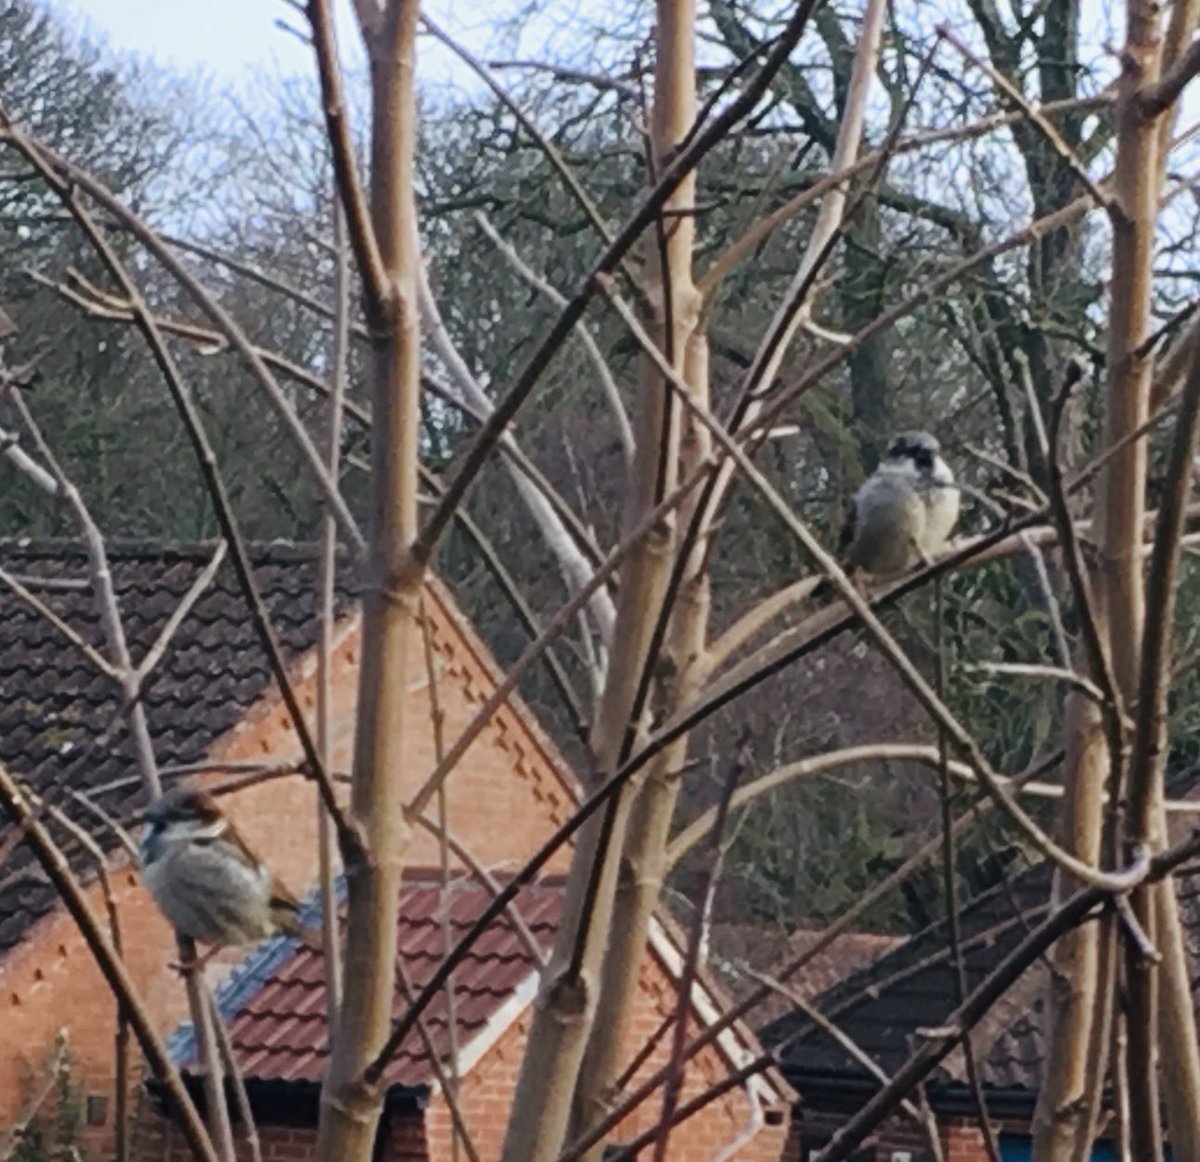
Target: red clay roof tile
[(278, 1030)]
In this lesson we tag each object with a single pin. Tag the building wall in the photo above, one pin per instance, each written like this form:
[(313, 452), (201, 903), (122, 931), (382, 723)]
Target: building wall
[(961, 1138), (158, 1140), (721, 1130), (504, 801), (485, 1095)]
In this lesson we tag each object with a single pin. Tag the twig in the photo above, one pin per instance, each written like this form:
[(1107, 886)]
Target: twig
[(525, 614), (835, 1033), (73, 896), (345, 163), (950, 889), (1032, 115), (680, 166), (57, 1070), (1157, 98), (552, 155), (1137, 934), (25, 464), (759, 230), (536, 951), (134, 682), (437, 718), (963, 740), (535, 649), (576, 76), (603, 374), (233, 1071), (326, 585), (1053, 673), (573, 562), (44, 611), (673, 1083), (447, 1084)]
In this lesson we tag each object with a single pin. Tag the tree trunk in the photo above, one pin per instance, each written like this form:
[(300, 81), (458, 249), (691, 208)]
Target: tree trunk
[(350, 1108), (567, 1003)]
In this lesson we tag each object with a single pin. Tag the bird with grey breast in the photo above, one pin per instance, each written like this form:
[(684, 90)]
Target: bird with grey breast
[(903, 513), (205, 878)]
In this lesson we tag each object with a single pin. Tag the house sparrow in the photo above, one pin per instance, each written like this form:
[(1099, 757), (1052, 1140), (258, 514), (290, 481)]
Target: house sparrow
[(903, 512), (205, 879)]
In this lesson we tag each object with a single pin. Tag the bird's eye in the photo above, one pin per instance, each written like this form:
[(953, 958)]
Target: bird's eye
[(924, 458)]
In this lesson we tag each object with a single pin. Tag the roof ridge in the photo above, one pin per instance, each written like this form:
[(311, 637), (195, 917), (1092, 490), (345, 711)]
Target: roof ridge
[(152, 548)]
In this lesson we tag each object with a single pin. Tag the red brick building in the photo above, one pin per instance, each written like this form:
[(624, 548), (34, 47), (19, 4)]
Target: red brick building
[(210, 701), (274, 1006)]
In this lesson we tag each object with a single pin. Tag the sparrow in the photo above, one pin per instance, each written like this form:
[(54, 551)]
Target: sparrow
[(205, 879), (902, 514)]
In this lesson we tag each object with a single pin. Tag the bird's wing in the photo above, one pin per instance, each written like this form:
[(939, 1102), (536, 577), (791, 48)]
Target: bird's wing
[(846, 536), (282, 897)]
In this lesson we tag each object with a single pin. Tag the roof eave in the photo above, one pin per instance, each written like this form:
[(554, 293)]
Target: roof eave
[(286, 1102), (834, 1092)]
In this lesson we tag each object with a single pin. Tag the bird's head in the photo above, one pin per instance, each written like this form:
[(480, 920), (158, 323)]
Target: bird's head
[(917, 448), (184, 813)]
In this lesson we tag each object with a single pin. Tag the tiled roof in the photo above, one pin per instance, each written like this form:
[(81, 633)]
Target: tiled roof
[(274, 1005), (767, 949), (914, 987), (54, 704)]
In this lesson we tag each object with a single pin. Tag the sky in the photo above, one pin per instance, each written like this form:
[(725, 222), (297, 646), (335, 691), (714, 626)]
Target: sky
[(229, 39), (232, 40)]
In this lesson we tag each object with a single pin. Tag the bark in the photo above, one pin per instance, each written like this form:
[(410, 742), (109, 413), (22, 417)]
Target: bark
[(1063, 1115), (644, 863), (1065, 1120), (566, 1008), (350, 1107), (1176, 1017)]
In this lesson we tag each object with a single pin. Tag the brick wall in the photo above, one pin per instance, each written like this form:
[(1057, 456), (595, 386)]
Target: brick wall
[(158, 1140), (961, 1138), (485, 1103), (504, 800), (485, 1095)]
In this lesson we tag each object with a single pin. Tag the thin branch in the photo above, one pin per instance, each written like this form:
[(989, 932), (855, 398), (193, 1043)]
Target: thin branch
[(742, 246), (1032, 115), (679, 167), (447, 1083), (838, 1035), (686, 984), (345, 162), (74, 898), (326, 586), (1156, 98), (603, 374), (535, 649), (63, 176), (44, 611), (232, 1070), (572, 183), (1051, 673)]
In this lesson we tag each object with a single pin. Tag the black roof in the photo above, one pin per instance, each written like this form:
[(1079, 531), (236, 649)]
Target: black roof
[(884, 1007), (55, 704)]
